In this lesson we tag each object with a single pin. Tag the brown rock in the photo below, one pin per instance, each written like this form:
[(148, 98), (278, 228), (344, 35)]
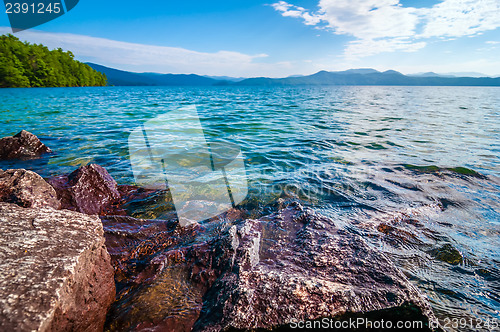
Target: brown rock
[(296, 265), (142, 251), (89, 189), (266, 273), (135, 201), (398, 237), (55, 272), (26, 189), (23, 145)]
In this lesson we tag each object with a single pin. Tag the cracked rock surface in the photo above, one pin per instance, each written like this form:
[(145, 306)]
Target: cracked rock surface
[(26, 189), (55, 271)]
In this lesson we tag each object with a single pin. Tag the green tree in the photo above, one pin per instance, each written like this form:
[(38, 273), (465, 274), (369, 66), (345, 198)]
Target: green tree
[(31, 65)]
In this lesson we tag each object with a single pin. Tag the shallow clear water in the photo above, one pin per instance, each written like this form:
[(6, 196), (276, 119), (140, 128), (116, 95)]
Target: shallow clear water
[(423, 160)]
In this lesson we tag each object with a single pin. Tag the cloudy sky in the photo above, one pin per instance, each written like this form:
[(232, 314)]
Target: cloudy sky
[(244, 38)]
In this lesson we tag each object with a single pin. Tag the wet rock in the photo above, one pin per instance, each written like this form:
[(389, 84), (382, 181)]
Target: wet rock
[(153, 260), (403, 229), (128, 238), (398, 237), (55, 272), (249, 274), (295, 266), (447, 253), (140, 202), (26, 189), (23, 145), (89, 189)]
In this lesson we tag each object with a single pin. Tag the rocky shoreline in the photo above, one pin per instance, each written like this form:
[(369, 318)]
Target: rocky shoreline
[(73, 259)]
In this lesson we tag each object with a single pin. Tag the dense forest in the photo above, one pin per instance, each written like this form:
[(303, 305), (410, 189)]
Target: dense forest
[(31, 65)]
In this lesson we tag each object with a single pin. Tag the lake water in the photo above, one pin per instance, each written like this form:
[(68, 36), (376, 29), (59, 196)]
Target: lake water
[(414, 170)]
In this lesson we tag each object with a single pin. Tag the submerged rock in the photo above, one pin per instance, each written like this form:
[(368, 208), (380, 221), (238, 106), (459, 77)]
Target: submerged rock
[(290, 266), (140, 202), (55, 272), (89, 189), (26, 189), (152, 263), (23, 145), (447, 253)]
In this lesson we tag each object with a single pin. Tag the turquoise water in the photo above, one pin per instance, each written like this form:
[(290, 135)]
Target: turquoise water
[(424, 160)]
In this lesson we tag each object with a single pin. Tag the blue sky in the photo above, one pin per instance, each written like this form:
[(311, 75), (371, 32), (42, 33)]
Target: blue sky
[(246, 38)]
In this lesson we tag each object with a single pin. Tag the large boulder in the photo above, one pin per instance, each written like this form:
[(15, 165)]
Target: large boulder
[(26, 189), (291, 266), (296, 266), (23, 145), (89, 189), (55, 271)]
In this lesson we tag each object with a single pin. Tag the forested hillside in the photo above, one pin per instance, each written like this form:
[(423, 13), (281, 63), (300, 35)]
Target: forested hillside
[(31, 65)]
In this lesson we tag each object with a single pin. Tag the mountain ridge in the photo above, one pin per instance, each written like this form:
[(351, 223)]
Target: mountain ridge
[(126, 78), (389, 77), (360, 76)]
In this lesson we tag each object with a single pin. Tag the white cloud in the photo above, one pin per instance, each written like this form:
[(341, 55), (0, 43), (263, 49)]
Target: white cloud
[(141, 58), (289, 10), (457, 18), (386, 25), (369, 19)]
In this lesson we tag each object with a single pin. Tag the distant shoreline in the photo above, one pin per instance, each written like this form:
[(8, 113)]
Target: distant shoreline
[(352, 77), (250, 85)]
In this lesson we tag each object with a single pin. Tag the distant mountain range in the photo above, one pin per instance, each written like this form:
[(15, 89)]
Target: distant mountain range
[(363, 76), (127, 78), (460, 74), (372, 77)]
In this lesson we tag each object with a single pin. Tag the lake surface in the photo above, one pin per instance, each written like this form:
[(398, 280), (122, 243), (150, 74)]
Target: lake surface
[(414, 170)]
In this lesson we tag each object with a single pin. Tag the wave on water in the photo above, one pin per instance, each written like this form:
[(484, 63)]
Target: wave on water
[(413, 170)]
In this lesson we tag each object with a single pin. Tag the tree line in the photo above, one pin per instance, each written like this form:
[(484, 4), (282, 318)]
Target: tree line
[(33, 65)]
